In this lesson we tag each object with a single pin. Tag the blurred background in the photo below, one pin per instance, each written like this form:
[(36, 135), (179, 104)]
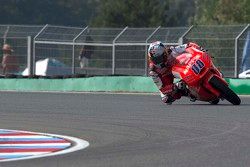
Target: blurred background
[(55, 36)]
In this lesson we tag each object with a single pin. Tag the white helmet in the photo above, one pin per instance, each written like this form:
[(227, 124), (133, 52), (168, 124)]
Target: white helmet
[(156, 52)]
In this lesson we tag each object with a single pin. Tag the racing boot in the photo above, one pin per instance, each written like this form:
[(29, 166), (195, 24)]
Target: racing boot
[(167, 99), (192, 98), (180, 87)]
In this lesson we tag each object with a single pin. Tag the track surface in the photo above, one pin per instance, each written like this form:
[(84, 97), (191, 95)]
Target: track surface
[(132, 130)]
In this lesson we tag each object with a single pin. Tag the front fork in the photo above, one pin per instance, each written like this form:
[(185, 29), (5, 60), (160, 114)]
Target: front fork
[(209, 87)]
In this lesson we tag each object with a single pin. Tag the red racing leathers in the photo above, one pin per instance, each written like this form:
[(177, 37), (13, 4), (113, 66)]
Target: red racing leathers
[(163, 77)]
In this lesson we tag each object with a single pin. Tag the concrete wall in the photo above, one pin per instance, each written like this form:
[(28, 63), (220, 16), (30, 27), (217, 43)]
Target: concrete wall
[(117, 84)]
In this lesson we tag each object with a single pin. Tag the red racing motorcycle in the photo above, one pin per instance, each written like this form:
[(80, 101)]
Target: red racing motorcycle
[(202, 79)]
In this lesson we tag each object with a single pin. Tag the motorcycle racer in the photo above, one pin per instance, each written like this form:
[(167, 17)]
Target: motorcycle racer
[(161, 60)]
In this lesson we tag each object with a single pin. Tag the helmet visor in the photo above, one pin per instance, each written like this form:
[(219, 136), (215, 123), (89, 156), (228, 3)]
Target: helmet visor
[(157, 59)]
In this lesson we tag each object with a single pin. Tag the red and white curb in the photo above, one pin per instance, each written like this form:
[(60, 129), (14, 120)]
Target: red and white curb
[(20, 145)]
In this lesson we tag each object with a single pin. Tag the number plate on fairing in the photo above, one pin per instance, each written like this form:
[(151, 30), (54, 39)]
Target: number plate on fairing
[(197, 66)]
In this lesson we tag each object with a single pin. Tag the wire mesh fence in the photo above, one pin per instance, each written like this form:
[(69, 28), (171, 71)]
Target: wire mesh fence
[(98, 35), (98, 63), (98, 44), (15, 60), (220, 42), (118, 51), (58, 34), (130, 60), (169, 35)]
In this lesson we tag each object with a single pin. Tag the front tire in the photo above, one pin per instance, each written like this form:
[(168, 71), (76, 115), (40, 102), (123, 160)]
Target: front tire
[(226, 92)]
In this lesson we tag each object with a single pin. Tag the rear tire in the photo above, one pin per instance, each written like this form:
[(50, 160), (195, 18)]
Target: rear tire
[(226, 92)]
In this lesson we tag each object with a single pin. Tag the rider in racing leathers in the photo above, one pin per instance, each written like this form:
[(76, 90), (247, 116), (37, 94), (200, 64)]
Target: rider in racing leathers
[(161, 60)]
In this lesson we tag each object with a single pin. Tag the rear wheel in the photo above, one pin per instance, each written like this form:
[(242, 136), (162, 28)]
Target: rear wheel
[(226, 92)]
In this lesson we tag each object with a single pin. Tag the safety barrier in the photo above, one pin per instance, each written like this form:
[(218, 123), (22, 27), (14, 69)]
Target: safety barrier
[(240, 86), (107, 84)]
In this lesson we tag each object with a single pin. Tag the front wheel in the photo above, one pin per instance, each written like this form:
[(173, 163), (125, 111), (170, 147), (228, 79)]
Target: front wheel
[(226, 92)]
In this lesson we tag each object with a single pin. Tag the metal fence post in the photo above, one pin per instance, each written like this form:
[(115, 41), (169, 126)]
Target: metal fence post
[(6, 34), (29, 55), (73, 50), (181, 39), (113, 50), (236, 60)]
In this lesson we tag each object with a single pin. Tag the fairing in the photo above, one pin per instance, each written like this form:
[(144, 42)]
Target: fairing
[(196, 68)]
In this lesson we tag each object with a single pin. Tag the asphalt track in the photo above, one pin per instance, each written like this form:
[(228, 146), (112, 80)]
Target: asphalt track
[(132, 130)]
